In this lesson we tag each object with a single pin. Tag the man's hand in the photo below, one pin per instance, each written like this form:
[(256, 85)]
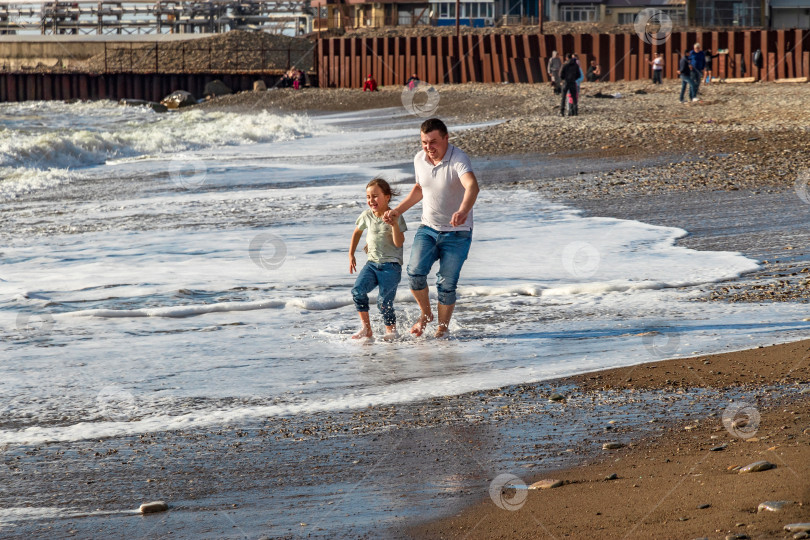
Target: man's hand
[(390, 216), (352, 264), (458, 218)]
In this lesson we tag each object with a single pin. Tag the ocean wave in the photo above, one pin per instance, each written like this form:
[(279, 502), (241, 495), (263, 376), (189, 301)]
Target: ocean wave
[(87, 143)]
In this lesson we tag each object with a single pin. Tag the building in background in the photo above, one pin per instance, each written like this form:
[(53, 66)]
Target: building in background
[(727, 13), (614, 11), (789, 14)]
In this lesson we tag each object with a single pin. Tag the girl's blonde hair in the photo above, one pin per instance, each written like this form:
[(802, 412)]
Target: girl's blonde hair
[(383, 185)]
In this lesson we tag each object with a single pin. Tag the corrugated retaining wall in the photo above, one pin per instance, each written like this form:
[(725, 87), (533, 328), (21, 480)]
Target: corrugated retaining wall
[(345, 62)]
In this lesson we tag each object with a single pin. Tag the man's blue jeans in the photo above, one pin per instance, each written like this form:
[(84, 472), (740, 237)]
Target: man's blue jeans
[(686, 80), (697, 77), (450, 249), (387, 276)]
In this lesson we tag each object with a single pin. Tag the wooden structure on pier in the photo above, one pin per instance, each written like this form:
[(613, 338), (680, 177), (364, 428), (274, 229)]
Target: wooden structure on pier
[(154, 16)]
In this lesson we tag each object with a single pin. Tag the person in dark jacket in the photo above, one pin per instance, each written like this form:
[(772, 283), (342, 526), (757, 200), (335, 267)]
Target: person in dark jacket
[(569, 74), (697, 63), (684, 71)]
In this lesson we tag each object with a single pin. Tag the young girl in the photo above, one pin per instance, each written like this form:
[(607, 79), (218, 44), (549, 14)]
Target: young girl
[(384, 266)]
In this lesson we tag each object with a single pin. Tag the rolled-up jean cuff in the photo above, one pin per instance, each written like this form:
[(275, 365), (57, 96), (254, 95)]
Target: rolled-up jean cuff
[(417, 283), (447, 298)]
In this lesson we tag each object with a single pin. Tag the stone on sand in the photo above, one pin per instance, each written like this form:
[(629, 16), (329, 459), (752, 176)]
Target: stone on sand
[(798, 527), (773, 506), (612, 446), (546, 483), (152, 507), (757, 466)]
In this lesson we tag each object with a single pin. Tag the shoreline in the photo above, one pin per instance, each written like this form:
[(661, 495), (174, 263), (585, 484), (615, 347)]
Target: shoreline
[(665, 480)]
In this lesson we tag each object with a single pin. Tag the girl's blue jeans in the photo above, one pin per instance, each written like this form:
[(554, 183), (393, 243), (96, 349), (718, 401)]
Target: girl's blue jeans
[(384, 275), (450, 249)]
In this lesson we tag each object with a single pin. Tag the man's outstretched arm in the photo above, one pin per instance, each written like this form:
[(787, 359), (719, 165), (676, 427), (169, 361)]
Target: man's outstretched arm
[(413, 197)]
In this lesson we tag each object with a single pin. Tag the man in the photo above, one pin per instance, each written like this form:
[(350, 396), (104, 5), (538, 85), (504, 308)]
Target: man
[(698, 63), (448, 188), (569, 74), (553, 68), (684, 72)]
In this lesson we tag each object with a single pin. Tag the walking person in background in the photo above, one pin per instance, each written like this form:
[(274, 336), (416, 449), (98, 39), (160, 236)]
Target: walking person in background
[(697, 63), (447, 187), (708, 71), (553, 68), (657, 68), (573, 101), (569, 74), (684, 71)]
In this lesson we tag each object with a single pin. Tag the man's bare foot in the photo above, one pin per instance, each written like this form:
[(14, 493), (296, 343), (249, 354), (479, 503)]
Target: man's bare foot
[(364, 332), (441, 331), (419, 327)]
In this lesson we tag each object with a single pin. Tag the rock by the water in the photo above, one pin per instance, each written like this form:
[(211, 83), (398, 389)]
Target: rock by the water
[(773, 506), (757, 466), (154, 105), (557, 397), (613, 476), (152, 507), (612, 446), (546, 483), (259, 86), (704, 506), (801, 535), (178, 99), (216, 88), (719, 448), (798, 527)]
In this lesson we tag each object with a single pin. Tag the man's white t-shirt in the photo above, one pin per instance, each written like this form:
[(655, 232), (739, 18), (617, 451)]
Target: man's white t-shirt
[(442, 190)]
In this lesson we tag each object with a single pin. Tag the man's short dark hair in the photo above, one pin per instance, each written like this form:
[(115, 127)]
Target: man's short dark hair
[(432, 124), (568, 56)]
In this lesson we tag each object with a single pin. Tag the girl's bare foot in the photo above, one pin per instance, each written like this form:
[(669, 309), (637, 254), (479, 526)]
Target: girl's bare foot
[(364, 332), (390, 333), (441, 331), (419, 327)]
